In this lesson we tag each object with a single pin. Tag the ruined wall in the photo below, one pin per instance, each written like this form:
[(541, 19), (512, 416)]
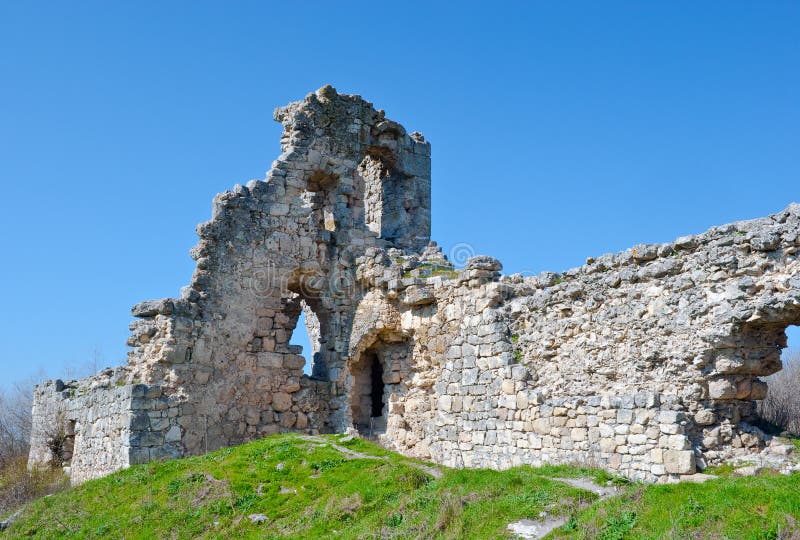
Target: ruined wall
[(646, 362), (82, 425), (347, 180), (101, 424)]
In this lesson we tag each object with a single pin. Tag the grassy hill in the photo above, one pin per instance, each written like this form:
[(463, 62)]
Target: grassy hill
[(291, 486)]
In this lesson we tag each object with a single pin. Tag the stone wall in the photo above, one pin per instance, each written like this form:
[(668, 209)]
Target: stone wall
[(85, 424), (647, 362)]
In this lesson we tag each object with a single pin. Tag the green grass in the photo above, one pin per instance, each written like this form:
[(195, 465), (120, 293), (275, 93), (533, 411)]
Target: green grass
[(429, 270), (306, 490), (309, 489), (757, 508)]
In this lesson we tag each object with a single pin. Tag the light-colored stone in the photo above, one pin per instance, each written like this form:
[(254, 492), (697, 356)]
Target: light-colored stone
[(438, 354)]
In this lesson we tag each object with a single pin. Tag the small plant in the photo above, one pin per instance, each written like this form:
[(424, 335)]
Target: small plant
[(18, 485), (394, 520), (326, 464), (56, 441), (616, 527), (571, 525), (245, 502)]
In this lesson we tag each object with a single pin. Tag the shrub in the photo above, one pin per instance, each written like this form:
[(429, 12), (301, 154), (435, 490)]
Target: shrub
[(782, 404), (15, 422), (18, 485)]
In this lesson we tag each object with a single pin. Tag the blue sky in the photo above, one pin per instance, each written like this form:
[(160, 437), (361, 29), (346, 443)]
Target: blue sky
[(559, 131)]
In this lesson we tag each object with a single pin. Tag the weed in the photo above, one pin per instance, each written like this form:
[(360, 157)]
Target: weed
[(326, 464), (394, 520), (617, 526)]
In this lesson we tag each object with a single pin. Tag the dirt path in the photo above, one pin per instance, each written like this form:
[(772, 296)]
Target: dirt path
[(529, 529), (353, 454)]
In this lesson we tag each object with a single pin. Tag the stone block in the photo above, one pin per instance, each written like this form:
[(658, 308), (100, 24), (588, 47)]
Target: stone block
[(578, 434), (445, 403), (679, 442), (140, 422), (608, 445), (542, 426), (705, 417), (679, 461), (722, 388), (281, 401), (173, 434)]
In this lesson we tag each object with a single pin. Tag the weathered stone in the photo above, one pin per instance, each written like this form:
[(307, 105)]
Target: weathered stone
[(281, 401), (641, 354), (679, 461)]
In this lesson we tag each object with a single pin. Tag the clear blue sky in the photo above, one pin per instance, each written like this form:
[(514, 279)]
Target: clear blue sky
[(559, 131)]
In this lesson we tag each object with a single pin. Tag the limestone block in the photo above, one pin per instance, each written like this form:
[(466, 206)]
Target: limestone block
[(705, 417), (678, 442), (522, 400), (722, 388), (578, 434), (542, 426), (679, 461), (638, 438), (445, 403)]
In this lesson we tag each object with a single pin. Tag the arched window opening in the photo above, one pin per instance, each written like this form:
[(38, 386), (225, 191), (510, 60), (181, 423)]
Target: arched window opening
[(781, 407), (309, 337), (300, 338)]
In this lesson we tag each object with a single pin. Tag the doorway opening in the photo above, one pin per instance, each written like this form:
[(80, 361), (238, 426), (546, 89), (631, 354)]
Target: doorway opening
[(376, 390), (368, 394)]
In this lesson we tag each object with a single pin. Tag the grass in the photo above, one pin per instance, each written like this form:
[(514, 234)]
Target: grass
[(757, 508), (305, 489), (429, 270), (310, 489), (19, 486)]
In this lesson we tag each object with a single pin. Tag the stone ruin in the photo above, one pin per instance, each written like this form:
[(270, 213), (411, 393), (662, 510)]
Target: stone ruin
[(647, 363)]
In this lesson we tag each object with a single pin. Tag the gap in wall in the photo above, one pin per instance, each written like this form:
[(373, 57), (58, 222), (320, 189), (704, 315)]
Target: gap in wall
[(300, 337), (781, 408)]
